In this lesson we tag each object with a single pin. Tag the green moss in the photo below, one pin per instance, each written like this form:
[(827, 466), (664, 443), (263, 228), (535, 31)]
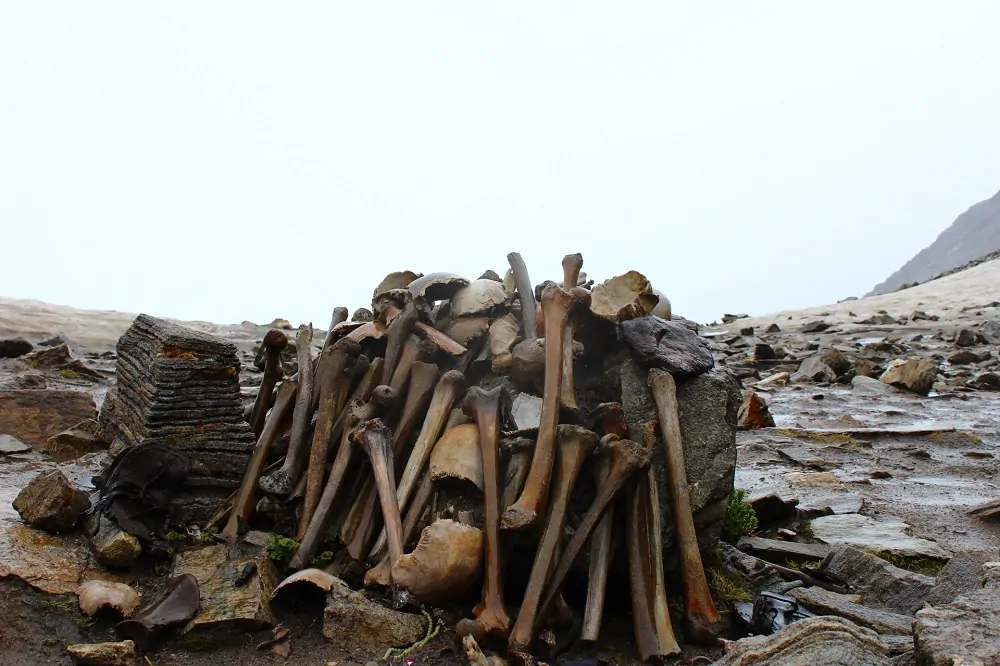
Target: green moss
[(321, 560), (176, 536), (740, 519), (927, 566), (209, 534), (280, 549), (799, 564), (69, 374)]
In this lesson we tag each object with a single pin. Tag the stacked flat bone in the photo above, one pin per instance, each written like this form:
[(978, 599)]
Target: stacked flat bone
[(180, 387)]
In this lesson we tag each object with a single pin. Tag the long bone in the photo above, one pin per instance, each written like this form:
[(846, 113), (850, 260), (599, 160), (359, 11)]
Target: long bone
[(358, 412), (445, 394), (701, 619), (339, 316), (665, 638), (361, 520), (376, 439), (518, 452), (245, 501), (282, 480), (336, 360), (572, 263), (526, 292), (639, 567), (529, 507), (626, 458), (381, 573), (574, 445), (433, 335), (397, 332), (274, 342), (484, 407), (610, 419)]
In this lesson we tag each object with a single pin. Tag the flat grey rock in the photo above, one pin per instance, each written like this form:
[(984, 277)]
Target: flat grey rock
[(867, 533), (962, 575), (966, 631), (822, 602), (816, 641), (880, 584), (787, 549), (658, 343), (10, 444)]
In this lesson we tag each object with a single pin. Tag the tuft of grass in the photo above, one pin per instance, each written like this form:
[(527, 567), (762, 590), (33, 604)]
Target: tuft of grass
[(175, 537), (798, 564), (209, 534), (927, 566), (280, 549), (69, 374), (806, 530), (740, 519), (728, 587)]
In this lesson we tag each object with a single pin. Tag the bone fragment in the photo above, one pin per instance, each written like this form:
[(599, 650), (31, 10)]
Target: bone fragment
[(245, 500), (574, 445), (339, 316), (274, 342), (702, 621), (446, 561), (518, 452), (504, 334)]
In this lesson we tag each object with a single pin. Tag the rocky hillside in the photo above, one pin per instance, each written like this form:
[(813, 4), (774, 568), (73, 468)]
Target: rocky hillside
[(975, 233)]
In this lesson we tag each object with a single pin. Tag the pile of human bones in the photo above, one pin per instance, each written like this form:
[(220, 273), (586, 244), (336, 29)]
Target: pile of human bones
[(411, 402)]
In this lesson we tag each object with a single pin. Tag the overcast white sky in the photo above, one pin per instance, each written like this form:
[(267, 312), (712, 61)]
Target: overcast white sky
[(197, 160)]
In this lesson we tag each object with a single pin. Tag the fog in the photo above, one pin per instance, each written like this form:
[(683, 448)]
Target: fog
[(233, 161)]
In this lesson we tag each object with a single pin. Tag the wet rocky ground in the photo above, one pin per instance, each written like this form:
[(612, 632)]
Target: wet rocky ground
[(849, 459)]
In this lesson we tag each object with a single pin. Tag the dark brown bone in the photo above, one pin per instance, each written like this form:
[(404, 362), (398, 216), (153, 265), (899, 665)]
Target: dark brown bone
[(526, 512), (436, 337), (401, 376), (274, 342), (484, 407), (572, 263), (281, 481), (381, 574), (362, 520), (626, 458), (358, 412), (336, 359), (376, 439), (398, 332), (526, 292), (702, 621), (339, 316), (245, 501), (518, 453), (574, 445), (600, 558), (640, 576), (447, 390), (665, 638)]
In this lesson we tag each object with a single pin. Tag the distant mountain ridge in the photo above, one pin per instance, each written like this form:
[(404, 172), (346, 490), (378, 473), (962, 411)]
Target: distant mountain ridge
[(973, 235)]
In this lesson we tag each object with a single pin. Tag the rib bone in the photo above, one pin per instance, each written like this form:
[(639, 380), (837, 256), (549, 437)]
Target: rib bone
[(358, 412), (701, 619), (274, 342), (526, 292), (626, 458), (484, 407), (528, 508), (336, 360), (245, 501), (281, 481), (575, 444)]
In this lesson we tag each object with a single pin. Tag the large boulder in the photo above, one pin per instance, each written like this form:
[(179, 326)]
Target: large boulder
[(915, 374), (667, 345), (35, 415), (708, 405), (51, 502), (966, 631), (829, 641), (14, 347)]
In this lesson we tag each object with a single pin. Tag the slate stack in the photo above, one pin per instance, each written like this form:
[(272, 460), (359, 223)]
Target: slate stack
[(180, 387)]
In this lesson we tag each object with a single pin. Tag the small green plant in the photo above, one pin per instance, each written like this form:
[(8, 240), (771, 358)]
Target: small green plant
[(209, 533), (921, 565), (728, 587), (174, 537), (798, 564), (321, 560), (806, 530), (280, 549), (69, 374), (740, 518)]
